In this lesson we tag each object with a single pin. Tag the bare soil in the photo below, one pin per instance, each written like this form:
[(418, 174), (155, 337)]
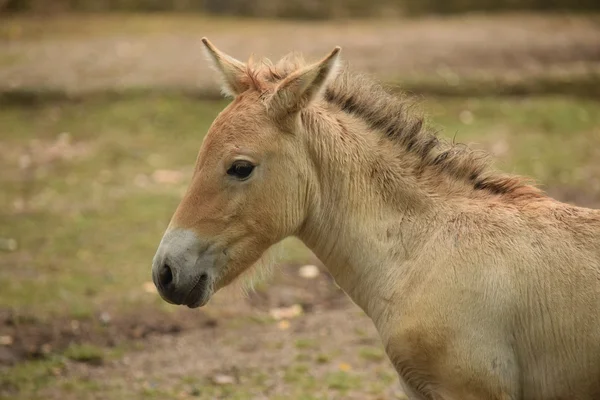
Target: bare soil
[(121, 53), (235, 342), (36, 338)]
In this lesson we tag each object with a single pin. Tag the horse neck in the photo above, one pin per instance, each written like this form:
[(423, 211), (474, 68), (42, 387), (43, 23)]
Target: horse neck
[(362, 232)]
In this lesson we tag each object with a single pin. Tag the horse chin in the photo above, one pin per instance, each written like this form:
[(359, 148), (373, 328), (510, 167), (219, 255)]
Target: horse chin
[(200, 293), (201, 302)]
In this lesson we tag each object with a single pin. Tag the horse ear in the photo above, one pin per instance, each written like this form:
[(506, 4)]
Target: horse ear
[(231, 70), (301, 87)]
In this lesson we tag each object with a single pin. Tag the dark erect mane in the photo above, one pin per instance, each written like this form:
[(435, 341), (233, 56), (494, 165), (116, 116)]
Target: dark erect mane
[(393, 116)]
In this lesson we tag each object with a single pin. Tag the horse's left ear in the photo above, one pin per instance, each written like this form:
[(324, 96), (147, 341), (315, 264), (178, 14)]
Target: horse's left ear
[(302, 86), (232, 71)]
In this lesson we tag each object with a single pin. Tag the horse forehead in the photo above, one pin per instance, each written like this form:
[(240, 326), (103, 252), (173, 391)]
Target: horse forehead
[(239, 124), (242, 116)]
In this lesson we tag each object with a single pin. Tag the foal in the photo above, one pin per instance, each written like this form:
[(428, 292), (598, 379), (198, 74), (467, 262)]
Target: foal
[(480, 286)]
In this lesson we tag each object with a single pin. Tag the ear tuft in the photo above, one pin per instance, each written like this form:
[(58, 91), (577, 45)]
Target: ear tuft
[(232, 71), (301, 87)]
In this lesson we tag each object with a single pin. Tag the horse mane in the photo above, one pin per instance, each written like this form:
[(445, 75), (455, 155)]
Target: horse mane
[(393, 116)]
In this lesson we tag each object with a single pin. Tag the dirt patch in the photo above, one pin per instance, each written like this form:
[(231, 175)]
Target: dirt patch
[(451, 49), (29, 338), (26, 337), (262, 342), (336, 354)]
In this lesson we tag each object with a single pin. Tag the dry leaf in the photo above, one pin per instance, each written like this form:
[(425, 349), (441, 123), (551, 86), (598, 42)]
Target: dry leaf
[(308, 271), (286, 312), (46, 348), (74, 325), (345, 367), (283, 325), (222, 379), (105, 317), (6, 340)]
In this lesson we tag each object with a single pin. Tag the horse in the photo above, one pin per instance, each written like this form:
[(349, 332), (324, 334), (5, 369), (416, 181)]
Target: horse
[(480, 285)]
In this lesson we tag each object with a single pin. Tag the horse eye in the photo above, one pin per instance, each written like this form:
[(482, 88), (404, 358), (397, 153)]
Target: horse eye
[(240, 170)]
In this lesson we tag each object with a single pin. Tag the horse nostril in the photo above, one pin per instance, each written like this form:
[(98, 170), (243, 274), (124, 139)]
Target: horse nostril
[(165, 275)]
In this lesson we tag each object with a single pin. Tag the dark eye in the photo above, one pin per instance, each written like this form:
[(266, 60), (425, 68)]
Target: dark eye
[(240, 170)]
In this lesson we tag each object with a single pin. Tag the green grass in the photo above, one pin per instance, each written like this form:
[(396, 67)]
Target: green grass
[(448, 83), (31, 376), (88, 230), (85, 353), (342, 381), (553, 140), (303, 343), (373, 354), (323, 358)]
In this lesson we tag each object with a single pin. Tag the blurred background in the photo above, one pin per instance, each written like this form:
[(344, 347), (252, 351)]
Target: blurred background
[(103, 106)]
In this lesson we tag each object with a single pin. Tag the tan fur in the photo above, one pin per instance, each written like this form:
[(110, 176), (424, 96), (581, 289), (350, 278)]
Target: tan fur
[(480, 285)]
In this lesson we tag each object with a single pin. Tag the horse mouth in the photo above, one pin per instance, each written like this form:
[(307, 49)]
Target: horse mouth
[(199, 295)]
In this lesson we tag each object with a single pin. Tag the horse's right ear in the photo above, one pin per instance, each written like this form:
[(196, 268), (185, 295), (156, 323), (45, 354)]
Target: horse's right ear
[(232, 71), (301, 87)]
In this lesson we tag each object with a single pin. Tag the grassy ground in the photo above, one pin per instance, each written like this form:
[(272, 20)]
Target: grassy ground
[(88, 188)]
